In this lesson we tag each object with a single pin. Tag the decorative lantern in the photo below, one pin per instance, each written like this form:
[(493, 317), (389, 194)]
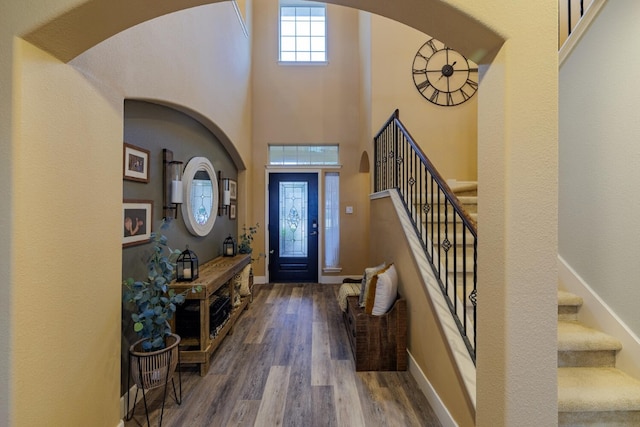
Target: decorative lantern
[(187, 266), (229, 247)]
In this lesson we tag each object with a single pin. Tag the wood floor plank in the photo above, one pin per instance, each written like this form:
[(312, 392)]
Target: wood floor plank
[(244, 413), (294, 300), (299, 397), (346, 397), (323, 412), (320, 355), (271, 410), (319, 304)]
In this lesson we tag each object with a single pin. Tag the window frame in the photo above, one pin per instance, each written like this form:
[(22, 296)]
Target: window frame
[(307, 5)]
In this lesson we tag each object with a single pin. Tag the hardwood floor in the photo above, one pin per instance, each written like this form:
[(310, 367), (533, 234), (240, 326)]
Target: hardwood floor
[(288, 363)]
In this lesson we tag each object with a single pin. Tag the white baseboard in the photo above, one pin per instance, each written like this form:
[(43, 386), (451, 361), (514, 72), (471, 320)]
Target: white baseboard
[(121, 423), (595, 313), (443, 414), (333, 280), (261, 280)]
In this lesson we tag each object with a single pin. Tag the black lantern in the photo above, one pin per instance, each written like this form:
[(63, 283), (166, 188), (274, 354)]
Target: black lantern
[(229, 247), (187, 266)]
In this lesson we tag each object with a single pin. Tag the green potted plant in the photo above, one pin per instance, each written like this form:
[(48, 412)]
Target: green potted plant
[(155, 304), (246, 240)]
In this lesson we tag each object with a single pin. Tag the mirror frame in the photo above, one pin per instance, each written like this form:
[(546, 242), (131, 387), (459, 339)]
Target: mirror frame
[(193, 166)]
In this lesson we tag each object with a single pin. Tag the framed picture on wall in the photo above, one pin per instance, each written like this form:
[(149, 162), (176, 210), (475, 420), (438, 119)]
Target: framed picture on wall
[(136, 163), (232, 211), (136, 222), (233, 189)]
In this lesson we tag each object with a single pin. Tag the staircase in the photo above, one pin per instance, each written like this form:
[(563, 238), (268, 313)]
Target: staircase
[(467, 194), (462, 259), (447, 232), (591, 391)]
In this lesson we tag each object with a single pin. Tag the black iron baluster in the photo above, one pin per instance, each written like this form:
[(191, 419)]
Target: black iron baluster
[(569, 16)]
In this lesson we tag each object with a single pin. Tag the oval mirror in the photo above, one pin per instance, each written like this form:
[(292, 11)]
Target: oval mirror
[(200, 187)]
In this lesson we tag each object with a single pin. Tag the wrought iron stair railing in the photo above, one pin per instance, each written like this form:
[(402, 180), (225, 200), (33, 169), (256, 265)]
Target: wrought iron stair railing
[(447, 232)]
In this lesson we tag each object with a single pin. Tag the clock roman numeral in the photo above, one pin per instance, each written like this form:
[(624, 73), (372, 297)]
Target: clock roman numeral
[(432, 45), (419, 71), (473, 84), (450, 99), (422, 56), (434, 95), (464, 94), (423, 86)]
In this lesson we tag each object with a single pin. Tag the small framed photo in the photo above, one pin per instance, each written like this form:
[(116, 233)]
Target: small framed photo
[(136, 163), (232, 211), (233, 189), (136, 222)]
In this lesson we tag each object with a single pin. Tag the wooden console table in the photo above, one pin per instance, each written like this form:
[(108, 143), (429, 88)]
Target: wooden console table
[(213, 275)]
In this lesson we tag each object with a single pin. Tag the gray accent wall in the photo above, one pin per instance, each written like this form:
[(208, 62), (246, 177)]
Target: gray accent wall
[(154, 127)]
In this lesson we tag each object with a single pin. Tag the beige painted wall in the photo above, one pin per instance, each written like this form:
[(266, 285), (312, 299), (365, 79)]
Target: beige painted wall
[(364, 81), (425, 339), (517, 130), (67, 295), (447, 135), (298, 104)]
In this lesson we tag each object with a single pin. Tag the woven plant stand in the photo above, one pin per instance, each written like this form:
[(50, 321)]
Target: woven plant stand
[(153, 369)]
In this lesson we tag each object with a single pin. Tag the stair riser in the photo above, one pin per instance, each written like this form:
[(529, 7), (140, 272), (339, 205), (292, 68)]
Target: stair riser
[(586, 359), (600, 419), (568, 312)]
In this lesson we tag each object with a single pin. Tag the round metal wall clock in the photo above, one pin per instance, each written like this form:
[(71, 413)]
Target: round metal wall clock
[(442, 75)]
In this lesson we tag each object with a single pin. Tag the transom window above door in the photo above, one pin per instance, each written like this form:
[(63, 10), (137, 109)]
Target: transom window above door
[(303, 32), (303, 155)]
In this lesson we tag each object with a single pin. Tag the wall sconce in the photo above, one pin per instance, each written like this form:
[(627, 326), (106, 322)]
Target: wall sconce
[(186, 266), (172, 180), (225, 195)]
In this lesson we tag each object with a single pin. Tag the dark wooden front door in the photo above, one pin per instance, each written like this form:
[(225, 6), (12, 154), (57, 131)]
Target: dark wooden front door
[(293, 227)]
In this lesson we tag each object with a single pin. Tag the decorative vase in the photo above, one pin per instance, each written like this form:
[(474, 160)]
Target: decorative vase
[(151, 369)]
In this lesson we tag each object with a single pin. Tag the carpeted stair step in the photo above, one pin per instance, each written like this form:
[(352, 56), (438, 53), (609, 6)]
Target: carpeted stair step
[(464, 188), (580, 346), (597, 397), (568, 305)]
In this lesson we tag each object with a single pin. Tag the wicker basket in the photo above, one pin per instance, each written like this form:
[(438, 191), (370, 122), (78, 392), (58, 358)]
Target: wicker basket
[(152, 369)]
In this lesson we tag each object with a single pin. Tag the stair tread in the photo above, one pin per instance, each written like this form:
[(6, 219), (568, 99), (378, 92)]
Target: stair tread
[(460, 186), (574, 336), (468, 200), (567, 298), (597, 389)]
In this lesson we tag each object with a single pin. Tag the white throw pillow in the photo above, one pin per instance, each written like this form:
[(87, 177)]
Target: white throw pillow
[(386, 291)]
